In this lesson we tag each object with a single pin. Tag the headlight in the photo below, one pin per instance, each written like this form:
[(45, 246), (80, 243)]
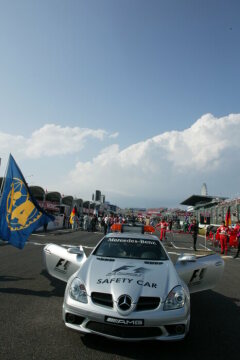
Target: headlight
[(78, 291), (175, 299)]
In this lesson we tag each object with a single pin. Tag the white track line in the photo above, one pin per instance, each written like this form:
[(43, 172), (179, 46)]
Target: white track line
[(181, 248), (34, 243), (205, 247), (73, 246), (173, 253)]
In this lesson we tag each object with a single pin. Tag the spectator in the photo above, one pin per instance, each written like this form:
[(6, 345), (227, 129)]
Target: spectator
[(237, 228), (64, 220), (74, 222), (162, 226), (85, 222), (223, 232), (151, 222), (99, 223), (93, 223), (185, 226), (68, 222), (102, 224), (194, 231), (110, 223), (106, 223)]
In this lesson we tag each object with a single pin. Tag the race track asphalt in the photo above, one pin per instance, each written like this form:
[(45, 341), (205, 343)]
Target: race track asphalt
[(31, 302)]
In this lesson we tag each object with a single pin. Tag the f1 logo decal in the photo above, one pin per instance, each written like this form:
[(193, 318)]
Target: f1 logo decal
[(197, 276), (128, 270), (62, 265), (139, 270)]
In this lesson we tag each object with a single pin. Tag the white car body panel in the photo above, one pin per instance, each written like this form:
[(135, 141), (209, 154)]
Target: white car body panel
[(202, 274), (61, 264)]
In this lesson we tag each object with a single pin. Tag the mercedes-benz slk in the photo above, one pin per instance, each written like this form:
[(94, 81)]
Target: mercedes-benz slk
[(128, 288)]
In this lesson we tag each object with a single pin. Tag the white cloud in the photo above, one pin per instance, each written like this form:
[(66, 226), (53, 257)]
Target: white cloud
[(114, 135), (53, 140), (167, 165), (50, 140), (166, 168)]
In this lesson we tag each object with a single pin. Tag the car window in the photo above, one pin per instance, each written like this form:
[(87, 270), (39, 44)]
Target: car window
[(132, 248)]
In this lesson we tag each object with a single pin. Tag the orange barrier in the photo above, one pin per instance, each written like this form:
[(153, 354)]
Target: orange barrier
[(116, 227), (149, 228)]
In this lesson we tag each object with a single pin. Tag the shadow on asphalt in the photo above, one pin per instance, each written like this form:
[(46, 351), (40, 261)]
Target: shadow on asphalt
[(58, 287), (214, 332), (13, 278)]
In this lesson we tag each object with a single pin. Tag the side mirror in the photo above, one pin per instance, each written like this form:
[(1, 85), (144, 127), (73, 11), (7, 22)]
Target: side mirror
[(184, 258), (76, 250)]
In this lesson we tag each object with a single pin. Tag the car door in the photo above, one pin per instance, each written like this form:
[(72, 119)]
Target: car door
[(61, 262), (200, 273)]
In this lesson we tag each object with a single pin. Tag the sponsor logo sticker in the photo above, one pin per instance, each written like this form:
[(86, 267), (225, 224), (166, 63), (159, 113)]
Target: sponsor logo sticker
[(124, 322)]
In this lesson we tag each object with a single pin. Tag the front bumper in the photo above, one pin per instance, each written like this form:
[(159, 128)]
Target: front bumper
[(158, 324)]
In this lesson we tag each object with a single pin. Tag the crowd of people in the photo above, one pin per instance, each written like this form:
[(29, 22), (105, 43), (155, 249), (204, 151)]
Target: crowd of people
[(103, 224), (93, 222), (224, 232)]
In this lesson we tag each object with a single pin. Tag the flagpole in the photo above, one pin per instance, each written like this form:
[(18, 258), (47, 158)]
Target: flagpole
[(4, 179), (206, 237)]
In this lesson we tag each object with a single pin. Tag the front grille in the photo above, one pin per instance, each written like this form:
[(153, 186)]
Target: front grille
[(102, 299), (144, 302), (147, 303), (124, 331)]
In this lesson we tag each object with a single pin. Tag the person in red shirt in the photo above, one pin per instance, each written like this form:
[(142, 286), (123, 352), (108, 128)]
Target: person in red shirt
[(223, 232), (162, 225), (237, 229)]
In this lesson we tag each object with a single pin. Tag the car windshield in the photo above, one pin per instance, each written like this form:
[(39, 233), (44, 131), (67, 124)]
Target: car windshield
[(131, 248)]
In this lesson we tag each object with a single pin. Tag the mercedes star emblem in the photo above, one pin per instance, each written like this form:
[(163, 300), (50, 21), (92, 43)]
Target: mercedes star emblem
[(124, 302)]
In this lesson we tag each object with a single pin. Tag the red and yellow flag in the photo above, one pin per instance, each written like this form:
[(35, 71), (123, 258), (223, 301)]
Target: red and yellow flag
[(72, 215), (228, 217)]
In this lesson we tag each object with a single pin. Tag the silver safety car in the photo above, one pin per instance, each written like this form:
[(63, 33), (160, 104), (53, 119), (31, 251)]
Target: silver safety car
[(128, 288)]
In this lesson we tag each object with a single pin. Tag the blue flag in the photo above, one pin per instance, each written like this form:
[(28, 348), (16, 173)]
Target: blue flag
[(20, 214)]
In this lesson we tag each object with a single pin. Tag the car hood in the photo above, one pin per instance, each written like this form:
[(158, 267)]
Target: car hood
[(127, 276)]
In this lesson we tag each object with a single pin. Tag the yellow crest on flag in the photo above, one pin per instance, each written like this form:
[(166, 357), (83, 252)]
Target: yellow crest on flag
[(21, 212)]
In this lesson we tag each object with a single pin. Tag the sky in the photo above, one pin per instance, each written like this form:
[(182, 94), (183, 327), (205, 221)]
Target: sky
[(137, 98)]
